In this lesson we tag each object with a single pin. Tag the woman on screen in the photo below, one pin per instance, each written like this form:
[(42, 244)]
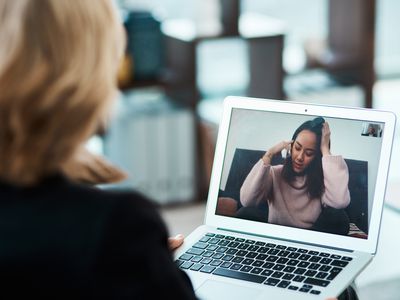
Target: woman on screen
[(309, 190)]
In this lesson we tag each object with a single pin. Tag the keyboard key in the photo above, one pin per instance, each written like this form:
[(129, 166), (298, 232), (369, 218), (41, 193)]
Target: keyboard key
[(325, 268), (253, 248), (293, 255), (315, 281), (237, 259), (250, 242), (261, 256), (222, 249), (303, 264), (270, 245), (212, 248), (339, 263), (293, 287), (223, 243), (186, 265), (196, 267), (206, 261), (304, 290), (195, 251), (210, 234), (257, 263), (273, 251), (267, 272), (304, 257), (300, 271), (314, 259), (246, 269), (263, 250), (288, 276), (239, 275), (196, 259), (282, 260), (314, 266), (233, 244), (220, 236), (323, 254), (278, 267), (311, 252), (272, 258), (215, 263), (204, 239), (334, 256), (292, 249), (226, 264), (248, 261), (217, 255), (227, 257), (231, 251), (300, 250), (236, 267), (310, 273), (229, 238), (347, 258), (268, 265), (281, 247), (315, 292), (277, 274), (186, 257), (271, 281), (283, 284), (240, 240), (208, 254), (299, 278), (284, 253), (241, 253), (289, 269), (207, 269), (256, 271), (292, 262), (214, 241), (251, 254), (260, 243), (243, 246), (325, 261), (200, 245)]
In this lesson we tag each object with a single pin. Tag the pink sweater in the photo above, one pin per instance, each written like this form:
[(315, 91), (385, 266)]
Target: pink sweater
[(291, 205)]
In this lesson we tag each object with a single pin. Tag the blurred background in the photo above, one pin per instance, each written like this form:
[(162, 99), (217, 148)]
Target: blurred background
[(184, 57)]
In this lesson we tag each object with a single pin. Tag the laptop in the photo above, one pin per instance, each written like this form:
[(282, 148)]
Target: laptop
[(275, 249)]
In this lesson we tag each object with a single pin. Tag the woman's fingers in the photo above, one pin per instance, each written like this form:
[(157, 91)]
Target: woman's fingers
[(175, 242)]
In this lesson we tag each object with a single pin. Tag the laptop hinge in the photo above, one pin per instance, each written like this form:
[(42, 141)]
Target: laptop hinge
[(286, 240)]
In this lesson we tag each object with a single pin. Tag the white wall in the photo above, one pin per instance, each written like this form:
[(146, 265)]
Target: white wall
[(261, 130)]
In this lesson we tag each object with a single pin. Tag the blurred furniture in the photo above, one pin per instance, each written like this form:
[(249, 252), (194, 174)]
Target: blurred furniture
[(244, 160), (264, 37), (348, 54)]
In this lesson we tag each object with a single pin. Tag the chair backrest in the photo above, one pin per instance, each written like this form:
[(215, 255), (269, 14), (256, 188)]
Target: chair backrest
[(245, 159)]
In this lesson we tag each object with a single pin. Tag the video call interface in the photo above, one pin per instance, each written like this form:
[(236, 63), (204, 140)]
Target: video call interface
[(277, 170)]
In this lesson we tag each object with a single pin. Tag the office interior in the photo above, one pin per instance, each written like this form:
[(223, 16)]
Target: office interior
[(184, 57)]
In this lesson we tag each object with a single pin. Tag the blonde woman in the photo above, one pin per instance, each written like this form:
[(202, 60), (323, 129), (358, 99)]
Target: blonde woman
[(58, 65)]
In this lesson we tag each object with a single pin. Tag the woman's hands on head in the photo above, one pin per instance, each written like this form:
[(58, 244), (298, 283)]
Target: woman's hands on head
[(325, 139), (279, 147)]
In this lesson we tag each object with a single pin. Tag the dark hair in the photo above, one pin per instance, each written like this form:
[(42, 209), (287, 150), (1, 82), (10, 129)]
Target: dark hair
[(315, 177)]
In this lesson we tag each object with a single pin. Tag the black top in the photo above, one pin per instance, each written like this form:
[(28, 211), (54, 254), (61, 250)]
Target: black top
[(62, 239)]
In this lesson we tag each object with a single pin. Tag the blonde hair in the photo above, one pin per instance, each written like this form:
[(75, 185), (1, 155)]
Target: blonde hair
[(58, 66)]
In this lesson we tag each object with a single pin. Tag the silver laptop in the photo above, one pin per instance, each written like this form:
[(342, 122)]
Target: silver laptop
[(268, 232)]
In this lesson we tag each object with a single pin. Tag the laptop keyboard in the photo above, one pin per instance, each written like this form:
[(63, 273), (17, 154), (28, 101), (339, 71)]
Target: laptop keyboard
[(290, 268)]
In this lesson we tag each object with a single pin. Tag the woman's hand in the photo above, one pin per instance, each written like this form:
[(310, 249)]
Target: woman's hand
[(325, 139), (275, 150), (175, 242)]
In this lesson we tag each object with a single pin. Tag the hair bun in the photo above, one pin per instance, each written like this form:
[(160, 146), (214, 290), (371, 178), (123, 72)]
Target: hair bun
[(318, 121)]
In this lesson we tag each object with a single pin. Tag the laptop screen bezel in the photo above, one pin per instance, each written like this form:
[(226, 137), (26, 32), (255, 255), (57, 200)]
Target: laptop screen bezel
[(290, 233)]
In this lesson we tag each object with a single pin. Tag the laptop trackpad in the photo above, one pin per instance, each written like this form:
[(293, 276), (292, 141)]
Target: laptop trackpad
[(218, 290)]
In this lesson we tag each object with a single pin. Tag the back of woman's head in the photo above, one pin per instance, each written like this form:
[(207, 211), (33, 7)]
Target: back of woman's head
[(58, 64), (314, 172)]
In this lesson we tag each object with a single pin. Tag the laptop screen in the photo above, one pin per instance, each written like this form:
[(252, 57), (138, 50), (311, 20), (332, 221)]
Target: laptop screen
[(305, 171)]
